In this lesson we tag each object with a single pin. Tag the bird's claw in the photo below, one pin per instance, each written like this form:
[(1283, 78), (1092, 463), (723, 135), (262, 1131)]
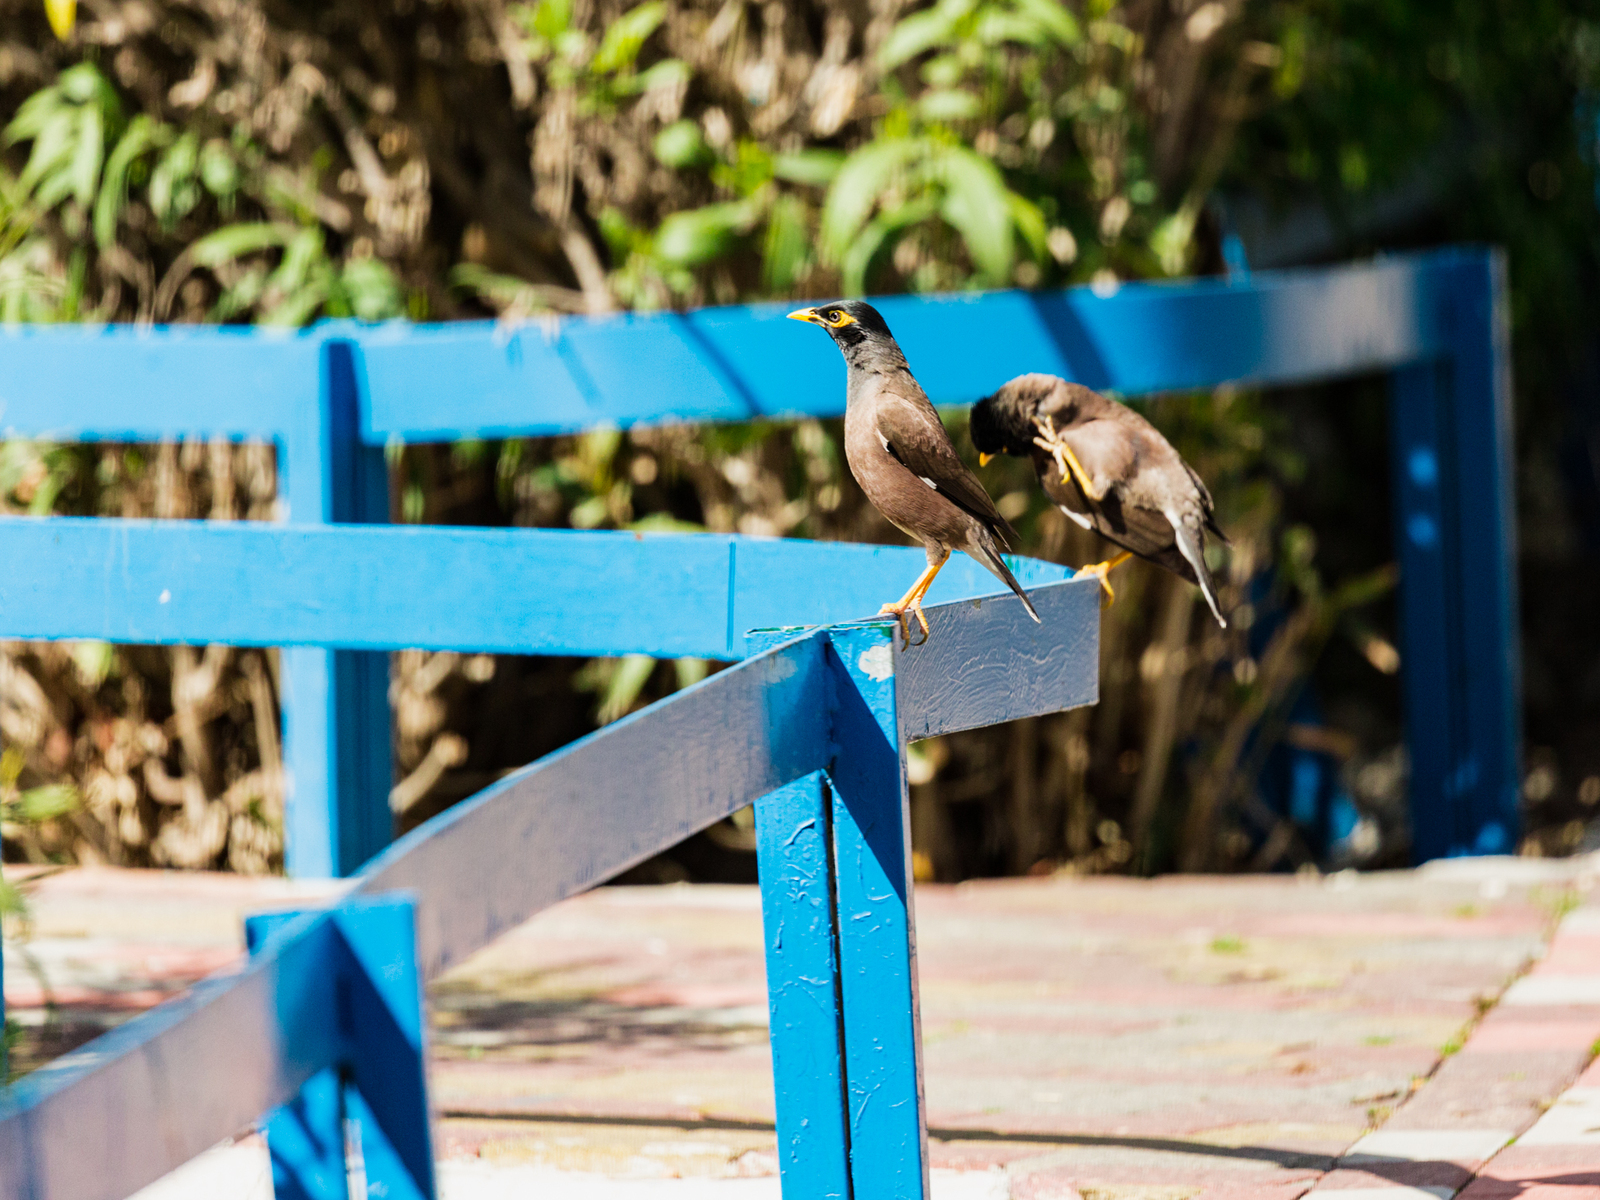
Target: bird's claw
[(1102, 572), (1067, 463), (899, 613)]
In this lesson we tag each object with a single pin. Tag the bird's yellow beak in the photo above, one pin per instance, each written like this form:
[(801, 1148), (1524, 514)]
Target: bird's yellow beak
[(984, 459), (809, 315)]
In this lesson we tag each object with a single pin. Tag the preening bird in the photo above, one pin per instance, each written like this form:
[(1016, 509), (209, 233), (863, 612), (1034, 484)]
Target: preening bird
[(1108, 469), (903, 459)]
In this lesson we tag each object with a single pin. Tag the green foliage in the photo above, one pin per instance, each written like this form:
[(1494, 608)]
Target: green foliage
[(176, 173), (22, 810)]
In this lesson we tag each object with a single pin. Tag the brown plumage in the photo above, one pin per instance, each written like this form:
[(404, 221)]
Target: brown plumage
[(1127, 483), (903, 459)]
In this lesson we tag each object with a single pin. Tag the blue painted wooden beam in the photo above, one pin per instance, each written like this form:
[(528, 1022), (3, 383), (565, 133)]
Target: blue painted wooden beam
[(635, 788), (336, 702), (84, 1128), (115, 1115), (799, 920), (389, 587), (480, 379), (88, 383), (374, 1100), (729, 364), (877, 922), (1455, 531)]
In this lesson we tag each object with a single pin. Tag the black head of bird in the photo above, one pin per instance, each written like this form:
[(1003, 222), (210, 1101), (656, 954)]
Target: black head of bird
[(902, 457), (861, 334), (1006, 422)]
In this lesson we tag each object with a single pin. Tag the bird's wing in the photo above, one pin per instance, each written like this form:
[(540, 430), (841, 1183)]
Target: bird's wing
[(1207, 505), (912, 432), (1105, 449)]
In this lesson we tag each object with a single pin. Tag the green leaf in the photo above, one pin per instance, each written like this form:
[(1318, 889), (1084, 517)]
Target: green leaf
[(921, 31), (243, 295), (372, 289), (680, 145), (235, 241), (219, 170), (142, 134), (788, 244), (624, 686), (948, 105), (876, 237), (691, 671), (688, 239), (303, 252), (625, 36), (299, 307), (34, 113), (669, 72), (1054, 17), (816, 168), (996, 28), (12, 761), (977, 204), (83, 84), (172, 190), (1030, 223), (1171, 241), (84, 172), (52, 149), (551, 18), (865, 176), (93, 661), (44, 803), (660, 522)]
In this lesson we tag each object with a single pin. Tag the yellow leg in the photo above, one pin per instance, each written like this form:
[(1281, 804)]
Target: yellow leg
[(1102, 570), (912, 602), (1066, 461)]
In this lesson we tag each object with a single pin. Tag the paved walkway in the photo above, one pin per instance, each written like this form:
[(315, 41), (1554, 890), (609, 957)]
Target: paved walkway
[(1249, 1038)]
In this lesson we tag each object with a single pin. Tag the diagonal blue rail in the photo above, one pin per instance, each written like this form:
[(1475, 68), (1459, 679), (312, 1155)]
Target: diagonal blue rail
[(835, 704), (333, 397)]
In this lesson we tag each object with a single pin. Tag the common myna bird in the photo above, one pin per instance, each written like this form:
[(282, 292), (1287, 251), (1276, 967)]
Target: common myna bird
[(1108, 469), (903, 459)]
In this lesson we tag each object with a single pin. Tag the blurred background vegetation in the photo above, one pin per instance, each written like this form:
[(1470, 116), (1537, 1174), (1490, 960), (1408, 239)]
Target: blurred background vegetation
[(278, 162)]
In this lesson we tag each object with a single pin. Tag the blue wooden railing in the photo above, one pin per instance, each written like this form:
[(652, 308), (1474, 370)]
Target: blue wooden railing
[(323, 1029), (332, 398)]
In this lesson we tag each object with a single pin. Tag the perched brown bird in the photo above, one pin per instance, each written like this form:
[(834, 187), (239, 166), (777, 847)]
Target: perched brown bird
[(1108, 469), (903, 459)]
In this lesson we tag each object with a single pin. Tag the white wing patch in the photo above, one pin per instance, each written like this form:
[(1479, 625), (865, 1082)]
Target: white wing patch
[(1076, 516), (929, 482), (885, 442)]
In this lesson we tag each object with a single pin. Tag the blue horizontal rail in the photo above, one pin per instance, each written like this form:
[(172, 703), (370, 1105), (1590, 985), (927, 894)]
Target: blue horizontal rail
[(732, 364), (565, 375), (85, 1127), (370, 587)]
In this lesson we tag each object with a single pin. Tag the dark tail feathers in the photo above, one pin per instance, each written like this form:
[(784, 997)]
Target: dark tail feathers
[(986, 553)]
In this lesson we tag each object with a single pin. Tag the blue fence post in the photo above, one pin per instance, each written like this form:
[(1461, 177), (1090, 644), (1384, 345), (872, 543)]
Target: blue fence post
[(1455, 527), (335, 702), (877, 936), (362, 1126), (794, 830)]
